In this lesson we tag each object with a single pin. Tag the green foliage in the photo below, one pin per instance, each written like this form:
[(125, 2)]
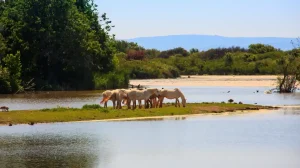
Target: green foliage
[(152, 53), (168, 53), (219, 52), (194, 50), (260, 48), (149, 69), (289, 66), (91, 106), (5, 86), (62, 43), (13, 64), (2, 46), (124, 46), (228, 59), (111, 80), (214, 62)]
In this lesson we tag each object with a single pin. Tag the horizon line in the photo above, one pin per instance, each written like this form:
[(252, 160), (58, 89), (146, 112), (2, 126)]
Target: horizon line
[(204, 35)]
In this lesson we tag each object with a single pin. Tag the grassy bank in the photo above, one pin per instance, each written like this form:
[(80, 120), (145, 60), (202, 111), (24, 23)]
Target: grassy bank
[(94, 112)]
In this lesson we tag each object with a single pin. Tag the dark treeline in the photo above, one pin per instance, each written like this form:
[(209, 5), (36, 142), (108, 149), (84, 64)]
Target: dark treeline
[(56, 45)]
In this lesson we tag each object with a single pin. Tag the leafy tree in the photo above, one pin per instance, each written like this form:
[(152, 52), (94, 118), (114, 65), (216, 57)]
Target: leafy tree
[(62, 43), (178, 50), (220, 52), (2, 46), (4, 81), (194, 50), (124, 46), (228, 59), (13, 64), (135, 54), (260, 48), (289, 66)]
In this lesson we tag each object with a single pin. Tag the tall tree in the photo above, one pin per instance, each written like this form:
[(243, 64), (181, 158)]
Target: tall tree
[(62, 43)]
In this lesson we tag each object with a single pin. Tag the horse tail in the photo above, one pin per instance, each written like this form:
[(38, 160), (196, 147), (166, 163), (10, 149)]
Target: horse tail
[(124, 101), (183, 100), (106, 99)]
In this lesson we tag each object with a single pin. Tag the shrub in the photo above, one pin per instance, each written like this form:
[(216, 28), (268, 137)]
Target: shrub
[(91, 106)]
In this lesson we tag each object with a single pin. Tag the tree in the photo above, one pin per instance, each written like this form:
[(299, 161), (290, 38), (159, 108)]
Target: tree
[(289, 66), (174, 51), (62, 43), (228, 59), (260, 48), (13, 64), (194, 50), (135, 54)]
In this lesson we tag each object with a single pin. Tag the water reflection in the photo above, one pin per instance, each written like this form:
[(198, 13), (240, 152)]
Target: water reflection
[(50, 150), (261, 140), (291, 110)]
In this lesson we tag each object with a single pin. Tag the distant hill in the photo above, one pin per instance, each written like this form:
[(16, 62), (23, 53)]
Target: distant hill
[(205, 42)]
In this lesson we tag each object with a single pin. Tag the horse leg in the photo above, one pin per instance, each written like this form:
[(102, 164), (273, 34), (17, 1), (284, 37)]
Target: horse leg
[(154, 103), (119, 106), (140, 104), (151, 103), (178, 102), (128, 104), (161, 102), (114, 104), (134, 104), (105, 104), (146, 103)]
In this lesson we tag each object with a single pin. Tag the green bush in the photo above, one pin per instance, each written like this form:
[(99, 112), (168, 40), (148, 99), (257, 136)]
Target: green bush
[(91, 106), (112, 80), (4, 81)]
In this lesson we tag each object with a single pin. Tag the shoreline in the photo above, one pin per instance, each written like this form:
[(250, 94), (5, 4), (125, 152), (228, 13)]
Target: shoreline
[(179, 117), (60, 115), (160, 118)]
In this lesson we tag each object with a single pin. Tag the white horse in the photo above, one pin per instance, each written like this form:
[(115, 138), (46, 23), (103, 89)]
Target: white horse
[(140, 95), (172, 94), (115, 96), (106, 95)]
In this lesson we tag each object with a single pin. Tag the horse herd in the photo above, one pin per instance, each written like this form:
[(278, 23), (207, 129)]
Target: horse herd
[(152, 97)]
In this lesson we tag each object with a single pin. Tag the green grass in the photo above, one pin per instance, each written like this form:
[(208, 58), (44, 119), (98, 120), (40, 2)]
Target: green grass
[(95, 112)]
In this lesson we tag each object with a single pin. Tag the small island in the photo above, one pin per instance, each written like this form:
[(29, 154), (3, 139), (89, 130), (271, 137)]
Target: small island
[(96, 112)]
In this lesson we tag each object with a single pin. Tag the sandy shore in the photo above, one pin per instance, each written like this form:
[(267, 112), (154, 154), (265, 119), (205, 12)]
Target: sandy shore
[(211, 80)]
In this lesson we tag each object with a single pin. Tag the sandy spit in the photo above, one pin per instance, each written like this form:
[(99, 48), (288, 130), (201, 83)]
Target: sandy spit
[(212, 80)]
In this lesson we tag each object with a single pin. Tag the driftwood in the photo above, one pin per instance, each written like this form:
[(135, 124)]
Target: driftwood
[(27, 87)]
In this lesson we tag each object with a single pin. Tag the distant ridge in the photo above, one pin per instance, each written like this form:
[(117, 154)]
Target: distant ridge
[(205, 42)]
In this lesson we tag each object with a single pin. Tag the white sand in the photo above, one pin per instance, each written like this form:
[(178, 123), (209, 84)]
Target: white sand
[(211, 80)]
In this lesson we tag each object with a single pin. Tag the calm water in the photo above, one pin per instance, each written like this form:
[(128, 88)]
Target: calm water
[(261, 140), (193, 94)]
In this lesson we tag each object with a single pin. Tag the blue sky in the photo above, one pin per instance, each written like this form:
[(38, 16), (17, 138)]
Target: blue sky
[(232, 18)]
